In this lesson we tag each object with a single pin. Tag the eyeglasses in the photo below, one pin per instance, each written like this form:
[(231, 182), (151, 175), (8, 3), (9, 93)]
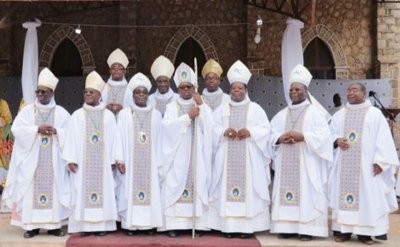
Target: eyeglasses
[(43, 92), (185, 87)]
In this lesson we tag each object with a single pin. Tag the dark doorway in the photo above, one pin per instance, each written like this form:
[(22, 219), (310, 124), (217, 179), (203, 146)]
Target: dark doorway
[(67, 66), (187, 52), (318, 59), (67, 60)]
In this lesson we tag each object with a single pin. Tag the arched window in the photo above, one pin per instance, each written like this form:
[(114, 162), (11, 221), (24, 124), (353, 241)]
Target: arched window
[(318, 59), (66, 60), (188, 51)]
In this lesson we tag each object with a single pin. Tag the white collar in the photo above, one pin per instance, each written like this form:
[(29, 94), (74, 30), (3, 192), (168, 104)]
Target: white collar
[(243, 102), (147, 108), (185, 101), (122, 82), (215, 93), (49, 106), (169, 94), (366, 103), (98, 107), (301, 105)]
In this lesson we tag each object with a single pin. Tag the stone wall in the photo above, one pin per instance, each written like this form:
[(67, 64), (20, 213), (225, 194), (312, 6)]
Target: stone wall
[(351, 23), (348, 27), (388, 35), (228, 41)]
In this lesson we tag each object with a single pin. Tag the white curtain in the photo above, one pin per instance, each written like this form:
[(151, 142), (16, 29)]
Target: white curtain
[(292, 54), (30, 63)]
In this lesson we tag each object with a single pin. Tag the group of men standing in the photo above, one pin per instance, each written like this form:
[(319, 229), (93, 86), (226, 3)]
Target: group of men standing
[(172, 162)]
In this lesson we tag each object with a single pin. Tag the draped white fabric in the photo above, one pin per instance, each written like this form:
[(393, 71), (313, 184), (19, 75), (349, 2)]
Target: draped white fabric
[(292, 52), (30, 63)]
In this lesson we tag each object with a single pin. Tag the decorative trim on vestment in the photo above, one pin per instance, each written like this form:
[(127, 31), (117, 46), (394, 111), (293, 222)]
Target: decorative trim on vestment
[(142, 157), (236, 158), (187, 194), (43, 180), (93, 167), (289, 187), (350, 161)]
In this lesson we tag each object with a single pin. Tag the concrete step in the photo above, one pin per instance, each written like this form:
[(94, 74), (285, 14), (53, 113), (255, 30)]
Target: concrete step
[(12, 236)]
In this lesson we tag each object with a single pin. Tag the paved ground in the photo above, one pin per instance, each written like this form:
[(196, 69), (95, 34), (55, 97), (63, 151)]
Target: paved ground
[(11, 236)]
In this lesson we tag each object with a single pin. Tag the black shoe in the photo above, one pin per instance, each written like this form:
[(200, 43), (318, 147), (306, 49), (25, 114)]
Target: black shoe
[(129, 233), (31, 233), (342, 237), (365, 239), (172, 234), (199, 233), (100, 234), (56, 232), (246, 235), (151, 232), (304, 237), (287, 235)]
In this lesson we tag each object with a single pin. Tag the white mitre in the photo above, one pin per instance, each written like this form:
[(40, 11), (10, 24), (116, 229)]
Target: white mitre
[(301, 75), (47, 79), (139, 79), (118, 56), (162, 66), (184, 74), (94, 81), (238, 72)]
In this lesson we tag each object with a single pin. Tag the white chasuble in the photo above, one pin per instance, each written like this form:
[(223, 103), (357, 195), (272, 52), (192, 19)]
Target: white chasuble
[(361, 200), (92, 144), (186, 158), (139, 202), (299, 195), (239, 195), (37, 182)]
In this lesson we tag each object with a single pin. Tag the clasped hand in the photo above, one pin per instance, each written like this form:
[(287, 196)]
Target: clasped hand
[(233, 134)]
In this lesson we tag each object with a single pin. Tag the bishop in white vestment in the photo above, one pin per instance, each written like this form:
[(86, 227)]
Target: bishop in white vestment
[(37, 184), (162, 70), (116, 94), (91, 150), (302, 152), (139, 202), (239, 196), (362, 179), (186, 156), (212, 94)]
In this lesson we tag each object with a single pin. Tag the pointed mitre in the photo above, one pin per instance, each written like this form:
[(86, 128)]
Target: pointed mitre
[(47, 79), (162, 66), (184, 74), (139, 79), (300, 74), (211, 66), (94, 81), (238, 72), (118, 56)]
